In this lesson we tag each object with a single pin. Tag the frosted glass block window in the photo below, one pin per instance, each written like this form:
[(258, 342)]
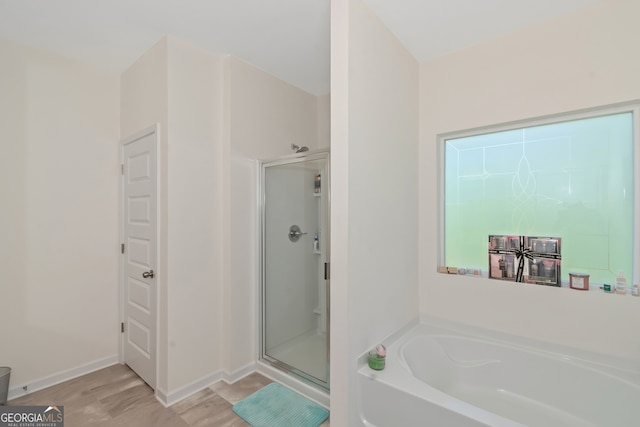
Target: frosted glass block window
[(571, 179)]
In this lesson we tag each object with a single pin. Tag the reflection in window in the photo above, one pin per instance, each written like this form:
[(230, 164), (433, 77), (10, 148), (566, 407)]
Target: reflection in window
[(572, 179)]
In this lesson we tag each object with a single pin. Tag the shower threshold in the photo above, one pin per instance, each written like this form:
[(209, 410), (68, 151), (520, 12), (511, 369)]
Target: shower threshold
[(306, 353)]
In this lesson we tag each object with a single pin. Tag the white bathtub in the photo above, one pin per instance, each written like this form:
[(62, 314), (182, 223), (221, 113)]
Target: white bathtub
[(447, 377)]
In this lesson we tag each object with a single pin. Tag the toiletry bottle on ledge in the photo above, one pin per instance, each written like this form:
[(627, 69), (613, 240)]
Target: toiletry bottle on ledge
[(377, 358), (316, 243), (621, 283)]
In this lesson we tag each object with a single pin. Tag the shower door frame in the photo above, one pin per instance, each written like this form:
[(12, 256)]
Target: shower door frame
[(326, 188)]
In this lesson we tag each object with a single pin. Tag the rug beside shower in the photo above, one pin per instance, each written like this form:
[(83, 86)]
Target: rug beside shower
[(277, 406)]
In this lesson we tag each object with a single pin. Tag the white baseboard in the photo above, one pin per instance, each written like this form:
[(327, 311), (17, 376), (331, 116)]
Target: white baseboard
[(51, 380), (173, 397), (239, 374)]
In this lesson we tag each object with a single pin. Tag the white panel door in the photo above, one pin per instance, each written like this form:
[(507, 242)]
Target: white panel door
[(140, 254)]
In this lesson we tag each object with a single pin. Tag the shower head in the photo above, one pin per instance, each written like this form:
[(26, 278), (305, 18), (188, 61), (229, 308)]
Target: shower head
[(299, 149)]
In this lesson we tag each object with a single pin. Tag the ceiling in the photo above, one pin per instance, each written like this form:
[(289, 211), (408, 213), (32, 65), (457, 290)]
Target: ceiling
[(287, 38)]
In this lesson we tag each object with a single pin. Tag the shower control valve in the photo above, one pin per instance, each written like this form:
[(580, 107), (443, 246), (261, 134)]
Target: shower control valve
[(295, 233)]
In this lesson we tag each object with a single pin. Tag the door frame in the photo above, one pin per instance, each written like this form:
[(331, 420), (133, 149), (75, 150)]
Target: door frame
[(151, 130)]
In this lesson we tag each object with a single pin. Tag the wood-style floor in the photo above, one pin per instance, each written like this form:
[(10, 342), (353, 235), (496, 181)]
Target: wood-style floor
[(116, 396)]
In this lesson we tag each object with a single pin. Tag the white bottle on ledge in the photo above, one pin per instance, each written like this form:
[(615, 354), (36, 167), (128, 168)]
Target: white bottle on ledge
[(621, 283)]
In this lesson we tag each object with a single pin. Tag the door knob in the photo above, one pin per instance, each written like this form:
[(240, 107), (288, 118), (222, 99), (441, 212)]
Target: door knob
[(148, 274)]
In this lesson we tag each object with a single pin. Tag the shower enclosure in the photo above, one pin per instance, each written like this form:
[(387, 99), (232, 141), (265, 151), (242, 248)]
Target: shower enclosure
[(295, 256)]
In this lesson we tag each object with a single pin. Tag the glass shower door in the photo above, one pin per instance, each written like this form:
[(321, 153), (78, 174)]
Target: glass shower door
[(294, 252)]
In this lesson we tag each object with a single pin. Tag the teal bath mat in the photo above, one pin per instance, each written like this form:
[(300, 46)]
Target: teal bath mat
[(277, 406)]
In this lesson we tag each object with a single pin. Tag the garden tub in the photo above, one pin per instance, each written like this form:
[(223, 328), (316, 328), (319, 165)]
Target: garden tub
[(448, 376)]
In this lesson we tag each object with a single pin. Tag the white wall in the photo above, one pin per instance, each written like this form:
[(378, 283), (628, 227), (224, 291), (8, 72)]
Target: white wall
[(582, 60), (194, 214), (180, 87), (374, 170), (263, 117), (59, 215), (324, 121)]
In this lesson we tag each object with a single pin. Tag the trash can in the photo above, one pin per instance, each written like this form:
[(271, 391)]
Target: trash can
[(5, 373)]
